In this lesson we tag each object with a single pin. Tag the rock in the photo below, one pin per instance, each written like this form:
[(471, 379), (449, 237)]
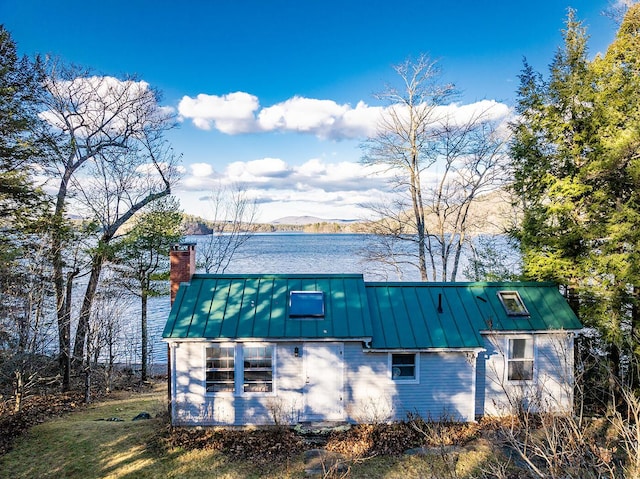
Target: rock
[(142, 415)]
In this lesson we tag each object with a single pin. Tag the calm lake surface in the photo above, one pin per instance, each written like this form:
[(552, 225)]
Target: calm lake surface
[(282, 253)]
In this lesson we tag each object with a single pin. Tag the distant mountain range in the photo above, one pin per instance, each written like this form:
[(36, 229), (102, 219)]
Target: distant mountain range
[(307, 220)]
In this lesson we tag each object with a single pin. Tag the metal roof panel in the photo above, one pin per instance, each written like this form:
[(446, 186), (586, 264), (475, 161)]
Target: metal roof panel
[(393, 315)]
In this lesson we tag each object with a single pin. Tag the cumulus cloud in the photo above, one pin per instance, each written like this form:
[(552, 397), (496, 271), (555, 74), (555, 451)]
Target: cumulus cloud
[(240, 112), (232, 113), (273, 174), (319, 187), (201, 169), (257, 171)]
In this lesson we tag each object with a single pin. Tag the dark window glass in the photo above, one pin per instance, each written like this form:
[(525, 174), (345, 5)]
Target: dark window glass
[(403, 366), (308, 304)]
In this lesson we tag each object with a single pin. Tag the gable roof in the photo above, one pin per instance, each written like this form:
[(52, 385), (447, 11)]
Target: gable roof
[(389, 315), (407, 315), (257, 306)]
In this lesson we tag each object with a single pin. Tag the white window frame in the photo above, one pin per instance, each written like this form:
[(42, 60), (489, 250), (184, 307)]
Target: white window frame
[(232, 346), (240, 369), (503, 295), (509, 359), (416, 365)]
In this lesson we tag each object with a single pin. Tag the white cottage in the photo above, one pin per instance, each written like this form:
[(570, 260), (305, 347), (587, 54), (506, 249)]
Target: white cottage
[(255, 349)]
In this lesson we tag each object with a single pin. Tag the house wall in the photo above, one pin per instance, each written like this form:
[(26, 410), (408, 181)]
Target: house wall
[(550, 389), (191, 404), (444, 388)]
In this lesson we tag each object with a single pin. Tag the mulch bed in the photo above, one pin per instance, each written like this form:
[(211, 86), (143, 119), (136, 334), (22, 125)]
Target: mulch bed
[(268, 445), (258, 445)]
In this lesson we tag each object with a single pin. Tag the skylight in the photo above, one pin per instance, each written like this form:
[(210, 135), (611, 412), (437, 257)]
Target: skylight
[(513, 304), (306, 304)]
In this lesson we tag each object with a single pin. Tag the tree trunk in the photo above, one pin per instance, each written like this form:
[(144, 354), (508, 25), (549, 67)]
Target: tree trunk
[(80, 342), (63, 295), (144, 333), (19, 390)]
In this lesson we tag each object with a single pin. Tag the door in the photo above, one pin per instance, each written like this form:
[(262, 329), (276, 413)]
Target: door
[(324, 377)]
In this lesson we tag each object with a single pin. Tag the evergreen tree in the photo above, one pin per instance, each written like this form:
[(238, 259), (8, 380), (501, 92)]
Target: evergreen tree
[(20, 200), (144, 253), (576, 160)]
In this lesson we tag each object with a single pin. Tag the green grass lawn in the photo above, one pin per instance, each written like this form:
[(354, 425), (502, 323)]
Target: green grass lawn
[(78, 445)]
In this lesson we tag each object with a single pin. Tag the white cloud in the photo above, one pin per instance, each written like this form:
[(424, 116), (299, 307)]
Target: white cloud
[(201, 169), (256, 171), (485, 110), (305, 115), (240, 112), (232, 113)]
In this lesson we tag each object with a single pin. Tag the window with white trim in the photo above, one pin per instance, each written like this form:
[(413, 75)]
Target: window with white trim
[(258, 368), (512, 303), (220, 369), (520, 359), (403, 367)]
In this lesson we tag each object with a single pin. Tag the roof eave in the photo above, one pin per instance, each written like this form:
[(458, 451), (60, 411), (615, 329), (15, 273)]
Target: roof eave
[(530, 331), (269, 340), (465, 349)]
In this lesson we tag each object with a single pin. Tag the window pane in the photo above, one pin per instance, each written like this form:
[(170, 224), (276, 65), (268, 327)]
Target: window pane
[(220, 374), (258, 368), (403, 366), (520, 359), (521, 348), (520, 370), (306, 304), (513, 304)]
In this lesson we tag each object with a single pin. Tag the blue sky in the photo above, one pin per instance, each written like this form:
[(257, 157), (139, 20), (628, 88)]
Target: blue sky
[(278, 94)]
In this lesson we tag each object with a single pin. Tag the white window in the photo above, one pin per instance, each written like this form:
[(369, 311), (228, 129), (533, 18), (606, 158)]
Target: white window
[(220, 369), (404, 367), (258, 368), (520, 359)]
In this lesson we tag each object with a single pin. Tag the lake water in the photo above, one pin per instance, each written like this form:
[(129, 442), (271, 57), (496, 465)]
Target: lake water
[(279, 253)]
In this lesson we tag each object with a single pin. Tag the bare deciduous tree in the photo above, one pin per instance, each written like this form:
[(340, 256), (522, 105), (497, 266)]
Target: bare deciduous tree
[(107, 151), (233, 223), (444, 158)]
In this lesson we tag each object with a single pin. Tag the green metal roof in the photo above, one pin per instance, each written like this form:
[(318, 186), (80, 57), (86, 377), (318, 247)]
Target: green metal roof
[(406, 315), (257, 306), (391, 315)]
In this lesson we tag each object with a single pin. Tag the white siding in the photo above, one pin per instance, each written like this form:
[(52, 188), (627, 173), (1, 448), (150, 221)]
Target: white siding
[(452, 385), (445, 388), (193, 406), (551, 388)]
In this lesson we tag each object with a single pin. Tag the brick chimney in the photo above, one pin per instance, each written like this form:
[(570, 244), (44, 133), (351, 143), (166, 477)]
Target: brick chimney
[(183, 265)]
